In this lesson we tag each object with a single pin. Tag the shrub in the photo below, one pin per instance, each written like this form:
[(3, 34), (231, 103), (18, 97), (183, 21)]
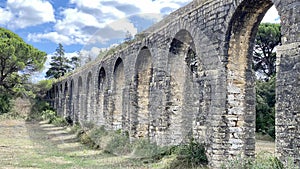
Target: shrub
[(191, 154), (119, 144), (5, 103), (144, 149), (263, 160)]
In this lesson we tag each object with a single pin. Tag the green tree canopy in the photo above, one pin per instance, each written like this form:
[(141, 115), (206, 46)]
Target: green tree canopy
[(59, 64), (17, 60), (267, 38)]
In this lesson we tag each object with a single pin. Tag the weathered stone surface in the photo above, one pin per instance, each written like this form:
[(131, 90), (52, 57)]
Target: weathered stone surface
[(190, 75)]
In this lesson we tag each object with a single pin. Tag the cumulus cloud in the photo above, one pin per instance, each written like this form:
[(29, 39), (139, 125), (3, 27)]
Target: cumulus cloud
[(5, 16), (22, 13), (272, 16), (99, 21)]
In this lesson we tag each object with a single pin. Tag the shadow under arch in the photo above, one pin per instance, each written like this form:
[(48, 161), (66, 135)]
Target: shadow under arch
[(65, 99), (80, 101), (117, 113), (181, 105), (88, 100), (240, 87), (101, 97), (140, 120)]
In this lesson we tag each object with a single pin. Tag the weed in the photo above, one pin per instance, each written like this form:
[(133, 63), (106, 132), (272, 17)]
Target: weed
[(189, 155), (119, 144), (263, 160)]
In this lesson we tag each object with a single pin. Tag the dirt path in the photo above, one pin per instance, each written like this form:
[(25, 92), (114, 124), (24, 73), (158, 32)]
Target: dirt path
[(33, 145), (40, 145)]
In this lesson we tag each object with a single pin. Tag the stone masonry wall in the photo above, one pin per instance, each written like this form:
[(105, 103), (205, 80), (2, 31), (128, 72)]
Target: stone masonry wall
[(190, 76)]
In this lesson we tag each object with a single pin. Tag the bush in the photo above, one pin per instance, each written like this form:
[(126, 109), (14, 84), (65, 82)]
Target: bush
[(263, 160), (192, 154), (52, 118), (5, 103), (119, 144), (143, 149), (37, 109)]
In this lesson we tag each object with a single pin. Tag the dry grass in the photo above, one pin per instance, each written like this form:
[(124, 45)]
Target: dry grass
[(40, 145)]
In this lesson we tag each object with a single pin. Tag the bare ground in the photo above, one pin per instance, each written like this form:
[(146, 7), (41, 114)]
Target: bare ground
[(40, 145)]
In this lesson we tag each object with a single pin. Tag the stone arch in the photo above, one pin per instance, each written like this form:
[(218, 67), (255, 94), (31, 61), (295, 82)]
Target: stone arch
[(65, 99), (71, 101), (80, 100), (183, 69), (118, 87), (101, 99), (142, 80), (56, 97), (240, 86), (88, 99)]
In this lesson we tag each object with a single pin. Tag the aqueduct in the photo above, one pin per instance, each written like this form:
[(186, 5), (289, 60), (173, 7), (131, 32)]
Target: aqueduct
[(191, 75)]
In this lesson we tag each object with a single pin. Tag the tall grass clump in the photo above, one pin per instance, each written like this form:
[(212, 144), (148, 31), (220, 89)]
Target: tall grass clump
[(263, 160), (118, 144), (191, 155)]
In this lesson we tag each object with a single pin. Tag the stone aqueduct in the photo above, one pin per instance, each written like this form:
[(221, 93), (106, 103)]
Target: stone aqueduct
[(191, 75)]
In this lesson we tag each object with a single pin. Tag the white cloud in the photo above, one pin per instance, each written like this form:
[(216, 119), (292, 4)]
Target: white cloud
[(98, 21), (52, 36), (271, 16), (123, 25), (25, 13), (5, 16)]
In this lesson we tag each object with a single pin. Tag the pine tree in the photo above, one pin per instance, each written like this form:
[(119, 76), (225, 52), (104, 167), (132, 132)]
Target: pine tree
[(267, 38), (59, 64)]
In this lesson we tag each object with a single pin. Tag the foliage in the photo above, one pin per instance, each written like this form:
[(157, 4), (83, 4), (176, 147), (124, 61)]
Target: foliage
[(267, 38), (191, 154), (119, 144), (75, 61), (5, 103), (263, 160), (18, 59), (60, 64), (265, 107), (144, 149), (52, 117)]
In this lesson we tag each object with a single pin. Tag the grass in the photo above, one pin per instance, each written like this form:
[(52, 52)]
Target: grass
[(30, 145)]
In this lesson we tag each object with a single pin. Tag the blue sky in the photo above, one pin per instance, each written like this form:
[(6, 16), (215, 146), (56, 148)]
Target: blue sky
[(82, 25)]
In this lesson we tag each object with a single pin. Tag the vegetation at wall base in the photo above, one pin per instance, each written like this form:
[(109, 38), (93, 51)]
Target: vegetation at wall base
[(263, 160)]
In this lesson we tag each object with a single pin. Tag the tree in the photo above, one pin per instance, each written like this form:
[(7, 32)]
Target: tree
[(267, 38), (17, 60), (75, 61), (128, 36), (265, 106), (59, 64)]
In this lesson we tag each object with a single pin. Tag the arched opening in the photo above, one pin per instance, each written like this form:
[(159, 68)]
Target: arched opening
[(183, 68), (61, 100), (142, 79), (101, 95), (80, 101), (71, 101), (66, 100), (56, 97), (118, 86), (241, 97), (88, 111)]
